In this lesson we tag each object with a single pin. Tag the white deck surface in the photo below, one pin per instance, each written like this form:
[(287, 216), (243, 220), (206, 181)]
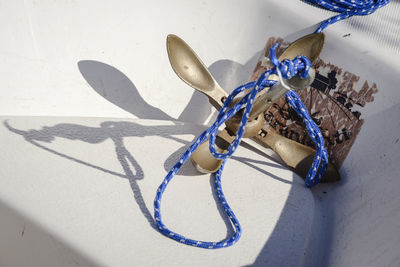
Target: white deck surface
[(74, 191), (80, 192)]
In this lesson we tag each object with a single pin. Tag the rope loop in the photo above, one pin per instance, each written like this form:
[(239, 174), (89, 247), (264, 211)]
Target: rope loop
[(298, 66), (287, 69)]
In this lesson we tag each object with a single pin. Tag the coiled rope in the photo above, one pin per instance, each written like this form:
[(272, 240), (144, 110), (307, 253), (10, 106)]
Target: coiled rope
[(347, 9), (287, 68)]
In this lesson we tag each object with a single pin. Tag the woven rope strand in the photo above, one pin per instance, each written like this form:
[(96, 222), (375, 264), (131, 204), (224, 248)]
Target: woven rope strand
[(288, 68), (347, 9)]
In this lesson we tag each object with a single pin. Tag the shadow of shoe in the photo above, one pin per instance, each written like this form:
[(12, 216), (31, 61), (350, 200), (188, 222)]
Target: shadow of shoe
[(117, 88)]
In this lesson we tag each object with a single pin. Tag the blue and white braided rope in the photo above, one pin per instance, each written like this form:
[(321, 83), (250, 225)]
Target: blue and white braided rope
[(287, 69), (320, 163), (347, 9)]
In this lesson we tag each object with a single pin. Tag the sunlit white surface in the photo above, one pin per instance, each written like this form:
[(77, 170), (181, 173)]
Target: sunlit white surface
[(81, 191)]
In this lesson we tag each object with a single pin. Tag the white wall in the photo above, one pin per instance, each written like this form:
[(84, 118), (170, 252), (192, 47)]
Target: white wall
[(42, 43)]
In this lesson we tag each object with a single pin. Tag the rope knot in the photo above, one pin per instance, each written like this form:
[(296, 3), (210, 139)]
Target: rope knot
[(288, 68)]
